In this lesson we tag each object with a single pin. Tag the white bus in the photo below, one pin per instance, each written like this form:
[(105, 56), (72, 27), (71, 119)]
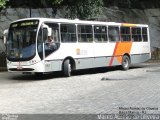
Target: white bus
[(77, 45)]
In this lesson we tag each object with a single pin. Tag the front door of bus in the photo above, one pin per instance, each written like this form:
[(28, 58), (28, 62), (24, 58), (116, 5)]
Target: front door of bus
[(43, 47), (47, 50), (50, 43)]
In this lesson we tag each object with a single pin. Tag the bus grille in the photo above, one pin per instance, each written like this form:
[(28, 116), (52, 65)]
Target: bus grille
[(23, 69)]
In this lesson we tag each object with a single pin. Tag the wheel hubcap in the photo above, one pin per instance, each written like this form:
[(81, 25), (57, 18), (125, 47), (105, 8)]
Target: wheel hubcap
[(69, 67), (125, 63)]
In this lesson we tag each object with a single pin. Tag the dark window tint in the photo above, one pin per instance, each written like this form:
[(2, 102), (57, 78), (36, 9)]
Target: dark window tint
[(21, 43), (125, 34), (113, 33), (144, 34), (136, 34), (85, 33), (100, 33), (68, 33)]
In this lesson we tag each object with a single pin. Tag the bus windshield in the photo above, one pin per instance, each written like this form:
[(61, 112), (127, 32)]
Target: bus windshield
[(21, 40)]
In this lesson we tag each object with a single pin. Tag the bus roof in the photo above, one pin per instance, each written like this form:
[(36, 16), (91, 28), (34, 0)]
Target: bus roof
[(77, 21)]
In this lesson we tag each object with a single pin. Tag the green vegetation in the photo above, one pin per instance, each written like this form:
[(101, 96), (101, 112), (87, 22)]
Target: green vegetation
[(86, 9), (2, 4), (78, 9), (55, 2)]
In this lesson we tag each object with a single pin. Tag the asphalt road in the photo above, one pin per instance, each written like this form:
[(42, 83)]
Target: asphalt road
[(94, 91)]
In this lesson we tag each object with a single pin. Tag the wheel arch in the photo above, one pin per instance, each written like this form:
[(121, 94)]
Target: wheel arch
[(127, 54), (72, 62)]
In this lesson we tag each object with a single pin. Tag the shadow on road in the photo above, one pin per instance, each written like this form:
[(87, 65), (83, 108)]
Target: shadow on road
[(53, 75), (33, 77)]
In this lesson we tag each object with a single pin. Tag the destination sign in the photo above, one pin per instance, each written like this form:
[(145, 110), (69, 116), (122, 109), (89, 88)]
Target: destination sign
[(25, 23)]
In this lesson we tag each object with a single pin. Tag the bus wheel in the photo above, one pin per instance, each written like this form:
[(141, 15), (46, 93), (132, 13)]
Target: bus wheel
[(67, 68), (125, 62)]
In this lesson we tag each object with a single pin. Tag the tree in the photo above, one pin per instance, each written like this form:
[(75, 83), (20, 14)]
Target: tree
[(74, 8), (2, 4), (55, 2), (84, 10), (80, 9)]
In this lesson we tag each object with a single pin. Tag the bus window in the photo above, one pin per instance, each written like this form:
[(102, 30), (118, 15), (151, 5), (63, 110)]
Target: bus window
[(113, 34), (144, 34), (136, 34), (51, 39), (68, 33), (100, 33), (21, 40), (125, 34), (85, 33), (55, 31)]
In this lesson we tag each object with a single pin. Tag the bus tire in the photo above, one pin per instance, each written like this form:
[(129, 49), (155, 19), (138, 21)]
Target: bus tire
[(125, 62), (67, 68)]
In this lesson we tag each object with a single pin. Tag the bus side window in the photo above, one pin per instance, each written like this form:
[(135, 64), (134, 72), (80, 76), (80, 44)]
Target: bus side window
[(55, 35), (125, 34), (144, 34), (55, 31), (85, 33), (113, 34), (136, 34), (100, 33), (68, 33)]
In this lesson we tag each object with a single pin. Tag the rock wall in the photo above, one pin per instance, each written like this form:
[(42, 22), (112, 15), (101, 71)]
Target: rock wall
[(112, 14), (9, 15), (147, 16)]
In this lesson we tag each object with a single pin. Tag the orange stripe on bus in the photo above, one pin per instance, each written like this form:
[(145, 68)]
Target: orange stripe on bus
[(120, 49), (111, 61), (128, 25), (123, 47)]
